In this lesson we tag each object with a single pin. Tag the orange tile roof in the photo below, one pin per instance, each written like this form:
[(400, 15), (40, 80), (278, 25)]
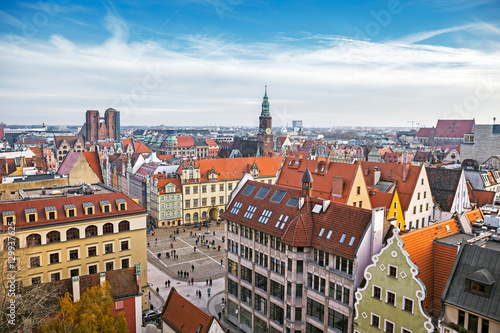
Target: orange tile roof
[(474, 215), (141, 148), (444, 258), (126, 142), (93, 160), (19, 206), (162, 182), (395, 172), (211, 143), (183, 316), (234, 168), (336, 179), (165, 157), (185, 141), (384, 151), (419, 244)]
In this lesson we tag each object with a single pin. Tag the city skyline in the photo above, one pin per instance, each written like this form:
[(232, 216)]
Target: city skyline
[(362, 63)]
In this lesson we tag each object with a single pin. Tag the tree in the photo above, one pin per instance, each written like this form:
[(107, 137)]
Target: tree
[(92, 313)]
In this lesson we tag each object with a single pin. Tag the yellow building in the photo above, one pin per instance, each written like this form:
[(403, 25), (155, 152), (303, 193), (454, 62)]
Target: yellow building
[(207, 184), (73, 231)]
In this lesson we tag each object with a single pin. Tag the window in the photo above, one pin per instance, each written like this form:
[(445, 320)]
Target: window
[(375, 322), (260, 282), (408, 305), (221, 200), (53, 237), (261, 304), (246, 295), (34, 262), (298, 314), (391, 298), (187, 204), (337, 321), (92, 251), (124, 245), (92, 269), (204, 189), (277, 313), (55, 277), (277, 290), (315, 310), (34, 240), (74, 272), (473, 322), (212, 188), (425, 194), (300, 266), (393, 271), (232, 267), (236, 208), (246, 274), (91, 231), (72, 233), (485, 325), (321, 232), (125, 263), (187, 190), (73, 254), (107, 228), (377, 293), (418, 196), (389, 327), (109, 266), (414, 209), (221, 187), (36, 280), (358, 190), (266, 214), (232, 287), (195, 189), (298, 291), (54, 258), (108, 248), (123, 226)]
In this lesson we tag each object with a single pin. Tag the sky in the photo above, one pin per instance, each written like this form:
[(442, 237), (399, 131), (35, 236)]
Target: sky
[(328, 63)]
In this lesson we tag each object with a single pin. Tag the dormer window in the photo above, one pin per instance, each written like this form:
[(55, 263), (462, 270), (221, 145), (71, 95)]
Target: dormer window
[(9, 217), (121, 204), (105, 206), (70, 210), (88, 208), (480, 282), (31, 214), (51, 213)]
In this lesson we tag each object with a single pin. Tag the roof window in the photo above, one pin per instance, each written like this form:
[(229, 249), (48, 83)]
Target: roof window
[(249, 213), (236, 208), (278, 196), (266, 214)]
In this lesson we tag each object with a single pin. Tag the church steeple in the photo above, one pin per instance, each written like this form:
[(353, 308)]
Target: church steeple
[(265, 105)]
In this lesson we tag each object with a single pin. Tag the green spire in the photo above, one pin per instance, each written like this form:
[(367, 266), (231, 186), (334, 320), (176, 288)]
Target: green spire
[(265, 105)]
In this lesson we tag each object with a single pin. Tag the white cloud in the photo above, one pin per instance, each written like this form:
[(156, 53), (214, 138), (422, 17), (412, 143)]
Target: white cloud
[(206, 80)]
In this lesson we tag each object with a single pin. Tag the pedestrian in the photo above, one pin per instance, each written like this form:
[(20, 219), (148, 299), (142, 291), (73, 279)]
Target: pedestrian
[(157, 289), (214, 232), (183, 230), (210, 281), (171, 245), (192, 280), (156, 241), (195, 249), (192, 268), (218, 248), (221, 261), (175, 252), (181, 273), (177, 273), (220, 316), (206, 283), (174, 237), (189, 282), (208, 291), (169, 283), (148, 244), (196, 292), (199, 294), (188, 275), (166, 284), (151, 307)]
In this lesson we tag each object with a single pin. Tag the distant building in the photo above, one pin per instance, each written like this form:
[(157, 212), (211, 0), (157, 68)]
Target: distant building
[(265, 136), (481, 143), (297, 125), (452, 131), (96, 130)]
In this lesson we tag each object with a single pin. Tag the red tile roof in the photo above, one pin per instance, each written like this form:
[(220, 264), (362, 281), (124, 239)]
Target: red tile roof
[(211, 143), (141, 148), (302, 227), (185, 141), (380, 199), (126, 142), (453, 128), (162, 182), (334, 183), (19, 206), (183, 316), (425, 132), (93, 160), (419, 244), (165, 157)]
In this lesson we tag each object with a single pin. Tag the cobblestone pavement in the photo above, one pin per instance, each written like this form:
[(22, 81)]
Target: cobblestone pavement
[(206, 263)]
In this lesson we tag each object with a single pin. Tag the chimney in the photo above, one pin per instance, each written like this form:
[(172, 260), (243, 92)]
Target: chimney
[(367, 171), (406, 168), (102, 278), (76, 288), (376, 176), (377, 230)]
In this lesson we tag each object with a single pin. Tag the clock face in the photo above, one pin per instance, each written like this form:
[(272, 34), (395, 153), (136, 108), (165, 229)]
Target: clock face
[(268, 130)]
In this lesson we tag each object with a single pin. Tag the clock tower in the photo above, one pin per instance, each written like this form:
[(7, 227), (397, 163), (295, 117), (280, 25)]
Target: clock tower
[(265, 135)]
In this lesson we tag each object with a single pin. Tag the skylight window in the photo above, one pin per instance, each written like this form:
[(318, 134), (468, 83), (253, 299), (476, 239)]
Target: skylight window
[(292, 202), (248, 189), (342, 239), (330, 232), (353, 238), (278, 196), (236, 208), (317, 209), (321, 232), (266, 214), (262, 192), (283, 218), (249, 213)]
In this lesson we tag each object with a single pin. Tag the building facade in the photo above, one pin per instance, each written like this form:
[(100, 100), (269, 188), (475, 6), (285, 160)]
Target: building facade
[(166, 201)]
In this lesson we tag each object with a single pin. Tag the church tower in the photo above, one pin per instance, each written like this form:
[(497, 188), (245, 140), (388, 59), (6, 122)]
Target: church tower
[(265, 136)]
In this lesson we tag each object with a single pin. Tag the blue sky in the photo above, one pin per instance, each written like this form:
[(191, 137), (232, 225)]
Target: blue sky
[(199, 62)]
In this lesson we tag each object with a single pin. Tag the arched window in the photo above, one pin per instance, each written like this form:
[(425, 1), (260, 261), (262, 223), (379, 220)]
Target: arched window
[(53, 237), (34, 240), (204, 215), (195, 217), (107, 228), (72, 233), (91, 231), (7, 242), (188, 217), (124, 226)]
